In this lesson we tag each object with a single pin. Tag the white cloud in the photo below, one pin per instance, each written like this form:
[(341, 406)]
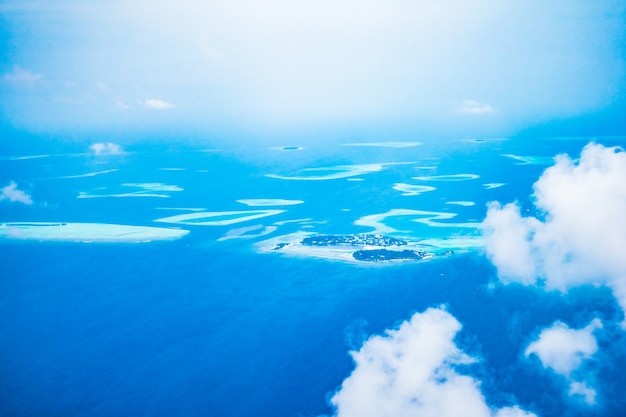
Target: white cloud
[(510, 412), (157, 104), (474, 107), (581, 234), (120, 105), (11, 193), (21, 76), (563, 350), (581, 388), (411, 371), (108, 148), (508, 243)]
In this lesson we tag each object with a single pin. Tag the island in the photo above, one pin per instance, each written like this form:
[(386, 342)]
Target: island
[(359, 247), (352, 240)]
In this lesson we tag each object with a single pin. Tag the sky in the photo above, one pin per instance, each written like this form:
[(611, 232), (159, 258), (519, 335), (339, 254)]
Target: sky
[(260, 68)]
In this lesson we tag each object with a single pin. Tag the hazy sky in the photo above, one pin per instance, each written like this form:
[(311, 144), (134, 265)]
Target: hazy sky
[(451, 65)]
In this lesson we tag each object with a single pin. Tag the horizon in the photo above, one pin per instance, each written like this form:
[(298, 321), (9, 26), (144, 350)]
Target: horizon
[(254, 72)]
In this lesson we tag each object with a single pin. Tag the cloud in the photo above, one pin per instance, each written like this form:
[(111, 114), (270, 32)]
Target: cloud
[(581, 388), (563, 350), (474, 107), (108, 148), (120, 105), (21, 76), (579, 235), (411, 371), (509, 243), (11, 193), (157, 104)]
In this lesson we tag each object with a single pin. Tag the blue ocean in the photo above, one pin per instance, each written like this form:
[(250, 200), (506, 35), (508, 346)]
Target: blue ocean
[(170, 279)]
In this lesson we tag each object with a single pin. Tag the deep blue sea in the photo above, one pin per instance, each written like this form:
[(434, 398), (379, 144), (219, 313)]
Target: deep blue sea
[(210, 325)]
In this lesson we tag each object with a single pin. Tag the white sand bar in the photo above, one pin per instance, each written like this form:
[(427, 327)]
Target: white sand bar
[(134, 194), (453, 177), (429, 218), (90, 174), (530, 160), (492, 185), (153, 186), (87, 232), (412, 189), (244, 232), (266, 202), (218, 218), (336, 172)]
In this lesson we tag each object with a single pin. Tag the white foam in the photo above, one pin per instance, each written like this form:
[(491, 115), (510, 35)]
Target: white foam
[(266, 202), (87, 232), (232, 217), (411, 189)]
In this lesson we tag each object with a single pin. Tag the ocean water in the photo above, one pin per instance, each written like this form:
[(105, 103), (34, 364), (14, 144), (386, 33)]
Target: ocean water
[(211, 324)]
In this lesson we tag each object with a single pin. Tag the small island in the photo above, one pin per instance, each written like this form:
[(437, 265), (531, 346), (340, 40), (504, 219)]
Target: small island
[(367, 248), (352, 240)]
